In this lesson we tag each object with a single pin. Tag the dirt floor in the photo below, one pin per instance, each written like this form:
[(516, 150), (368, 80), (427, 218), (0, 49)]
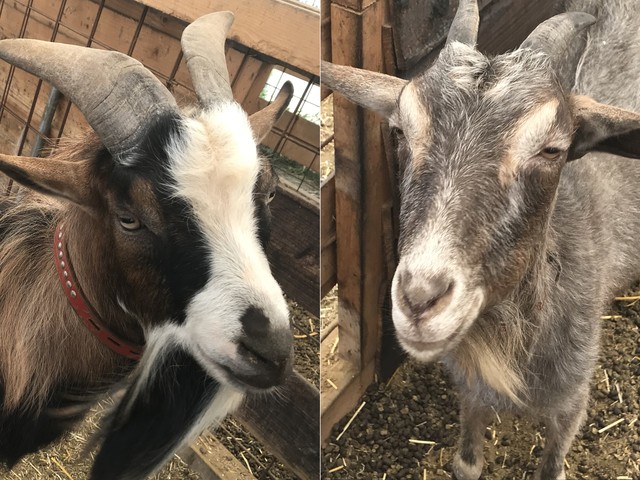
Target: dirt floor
[(418, 403), (66, 460)]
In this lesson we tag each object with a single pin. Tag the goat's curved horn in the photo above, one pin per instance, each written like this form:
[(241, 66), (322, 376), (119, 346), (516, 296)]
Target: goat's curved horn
[(118, 96), (464, 28), (555, 35), (203, 48)]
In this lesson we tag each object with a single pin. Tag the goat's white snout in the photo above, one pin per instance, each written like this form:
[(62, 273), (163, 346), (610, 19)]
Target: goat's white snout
[(239, 326), (432, 308)]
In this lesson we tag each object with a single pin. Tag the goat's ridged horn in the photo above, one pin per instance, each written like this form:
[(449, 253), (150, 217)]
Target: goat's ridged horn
[(118, 96), (554, 36), (203, 48), (464, 28)]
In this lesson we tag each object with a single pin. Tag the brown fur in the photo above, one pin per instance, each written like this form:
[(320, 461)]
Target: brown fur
[(30, 361)]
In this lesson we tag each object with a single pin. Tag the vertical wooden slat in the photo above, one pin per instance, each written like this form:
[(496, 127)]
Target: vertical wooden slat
[(346, 26), (361, 190)]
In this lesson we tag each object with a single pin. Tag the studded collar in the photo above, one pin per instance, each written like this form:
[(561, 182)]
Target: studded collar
[(81, 305)]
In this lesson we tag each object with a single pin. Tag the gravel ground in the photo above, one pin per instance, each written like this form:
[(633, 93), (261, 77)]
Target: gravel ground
[(418, 403), (66, 460)]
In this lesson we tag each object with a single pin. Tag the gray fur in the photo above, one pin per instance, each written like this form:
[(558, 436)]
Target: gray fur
[(486, 208)]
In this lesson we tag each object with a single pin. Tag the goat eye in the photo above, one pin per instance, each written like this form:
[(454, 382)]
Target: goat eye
[(129, 222), (397, 132), (550, 153), (271, 196)]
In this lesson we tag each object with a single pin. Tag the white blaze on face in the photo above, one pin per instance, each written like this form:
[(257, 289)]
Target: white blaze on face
[(216, 167), (430, 256)]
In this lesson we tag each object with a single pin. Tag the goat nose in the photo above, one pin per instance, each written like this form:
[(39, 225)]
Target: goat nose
[(266, 350), (422, 298)]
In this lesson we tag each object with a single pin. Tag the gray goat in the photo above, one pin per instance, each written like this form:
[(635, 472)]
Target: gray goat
[(510, 249)]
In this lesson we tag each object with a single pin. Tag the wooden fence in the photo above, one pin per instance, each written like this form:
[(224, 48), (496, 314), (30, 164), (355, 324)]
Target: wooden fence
[(360, 202), (266, 34)]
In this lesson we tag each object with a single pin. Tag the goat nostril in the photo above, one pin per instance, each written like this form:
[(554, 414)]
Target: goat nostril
[(254, 322), (425, 296)]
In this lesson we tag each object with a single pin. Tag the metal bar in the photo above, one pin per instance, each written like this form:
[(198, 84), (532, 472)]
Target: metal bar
[(136, 34), (56, 26), (94, 27), (30, 115), (47, 118), (12, 69), (170, 81), (296, 111)]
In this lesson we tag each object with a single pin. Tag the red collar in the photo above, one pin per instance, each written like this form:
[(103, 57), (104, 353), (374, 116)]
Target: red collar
[(82, 306)]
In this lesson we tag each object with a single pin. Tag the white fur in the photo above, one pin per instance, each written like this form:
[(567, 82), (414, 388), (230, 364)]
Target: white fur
[(225, 401), (426, 339), (536, 131), (414, 120), (215, 168)]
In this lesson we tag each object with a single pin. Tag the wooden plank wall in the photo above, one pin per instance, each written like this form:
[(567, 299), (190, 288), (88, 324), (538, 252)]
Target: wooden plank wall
[(285, 30), (157, 46)]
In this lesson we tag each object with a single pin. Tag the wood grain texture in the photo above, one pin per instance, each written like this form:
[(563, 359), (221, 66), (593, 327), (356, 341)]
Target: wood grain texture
[(347, 386), (286, 31), (213, 461), (328, 267), (289, 423), (294, 248), (504, 24)]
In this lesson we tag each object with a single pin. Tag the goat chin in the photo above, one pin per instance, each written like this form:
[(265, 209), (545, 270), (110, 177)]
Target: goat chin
[(165, 406)]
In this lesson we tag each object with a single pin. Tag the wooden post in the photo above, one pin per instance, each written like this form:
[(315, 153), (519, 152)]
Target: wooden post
[(287, 422), (361, 190)]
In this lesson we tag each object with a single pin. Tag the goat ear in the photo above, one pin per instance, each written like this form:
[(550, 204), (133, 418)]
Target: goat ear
[(604, 128), (69, 180), (265, 119), (371, 90)]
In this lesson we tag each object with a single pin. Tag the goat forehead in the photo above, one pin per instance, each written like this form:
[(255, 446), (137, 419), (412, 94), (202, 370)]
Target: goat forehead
[(464, 82), (467, 102), (216, 159), (483, 119)]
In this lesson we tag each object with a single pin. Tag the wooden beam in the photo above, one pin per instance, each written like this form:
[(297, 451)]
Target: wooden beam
[(362, 196), (342, 385), (288, 422), (294, 248), (328, 235), (303, 130), (361, 187), (209, 458), (283, 30)]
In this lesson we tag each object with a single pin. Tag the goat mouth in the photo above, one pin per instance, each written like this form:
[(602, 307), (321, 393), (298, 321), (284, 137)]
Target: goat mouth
[(429, 351), (425, 346), (262, 375)]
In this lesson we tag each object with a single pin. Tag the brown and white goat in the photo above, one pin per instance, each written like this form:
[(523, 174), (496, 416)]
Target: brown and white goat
[(519, 213), (164, 218)]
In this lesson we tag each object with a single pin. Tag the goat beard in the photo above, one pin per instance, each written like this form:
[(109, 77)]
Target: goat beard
[(167, 404)]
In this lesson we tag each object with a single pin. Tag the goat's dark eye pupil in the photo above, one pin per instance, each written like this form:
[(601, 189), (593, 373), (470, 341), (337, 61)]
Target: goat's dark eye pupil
[(129, 222), (550, 153)]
